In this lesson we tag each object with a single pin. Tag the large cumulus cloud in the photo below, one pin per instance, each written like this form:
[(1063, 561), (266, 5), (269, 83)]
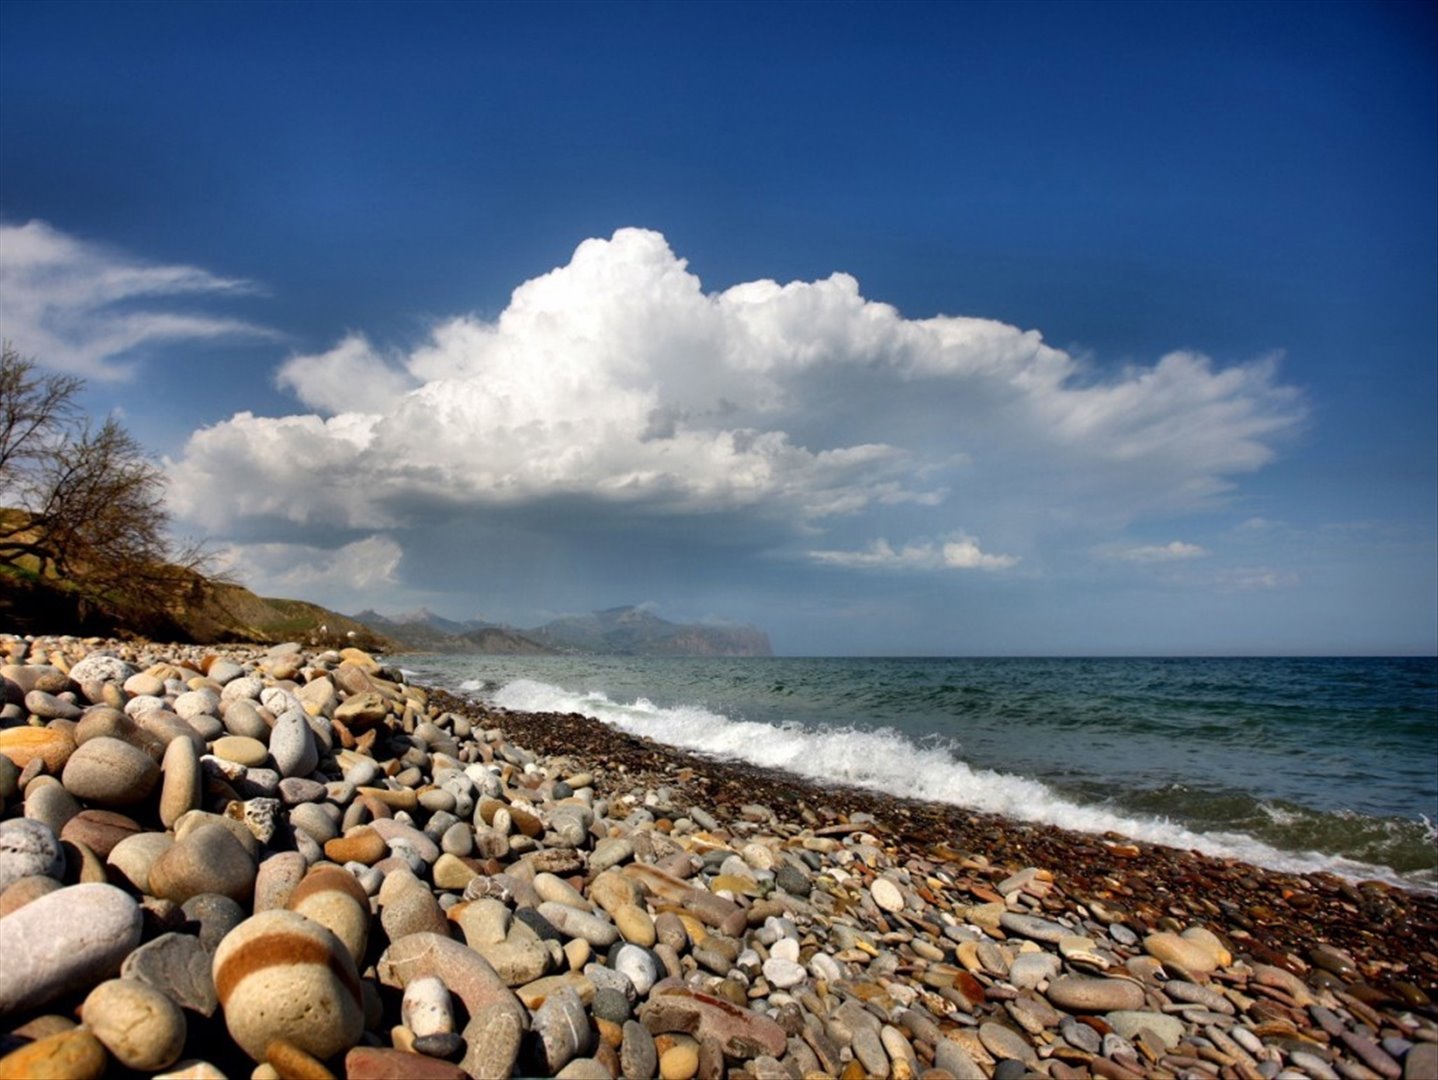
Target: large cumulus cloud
[(618, 383)]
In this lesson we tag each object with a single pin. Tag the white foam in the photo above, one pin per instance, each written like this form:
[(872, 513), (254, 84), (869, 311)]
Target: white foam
[(884, 760)]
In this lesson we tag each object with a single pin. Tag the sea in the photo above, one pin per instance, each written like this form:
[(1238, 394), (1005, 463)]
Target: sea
[(1293, 764)]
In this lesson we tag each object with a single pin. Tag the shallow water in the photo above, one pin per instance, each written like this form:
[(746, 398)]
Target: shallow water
[(1299, 764)]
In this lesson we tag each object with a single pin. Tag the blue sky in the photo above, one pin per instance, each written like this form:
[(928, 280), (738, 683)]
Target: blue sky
[(965, 328)]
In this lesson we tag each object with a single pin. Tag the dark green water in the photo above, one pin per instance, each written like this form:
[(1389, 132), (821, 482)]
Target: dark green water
[(1296, 763)]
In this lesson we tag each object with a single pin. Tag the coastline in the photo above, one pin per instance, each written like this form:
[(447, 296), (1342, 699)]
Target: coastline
[(968, 941)]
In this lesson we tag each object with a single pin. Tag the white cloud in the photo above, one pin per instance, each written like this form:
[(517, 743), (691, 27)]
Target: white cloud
[(1149, 553), (82, 308), (1250, 578), (350, 378), (959, 552), (361, 567), (617, 381)]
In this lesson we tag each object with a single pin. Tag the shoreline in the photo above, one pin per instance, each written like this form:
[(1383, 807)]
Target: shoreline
[(577, 901), (1385, 913)]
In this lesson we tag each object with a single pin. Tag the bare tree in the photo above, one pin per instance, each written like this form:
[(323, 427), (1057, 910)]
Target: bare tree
[(87, 504)]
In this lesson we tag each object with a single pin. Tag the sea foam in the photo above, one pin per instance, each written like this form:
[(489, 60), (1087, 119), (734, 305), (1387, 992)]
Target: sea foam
[(887, 761)]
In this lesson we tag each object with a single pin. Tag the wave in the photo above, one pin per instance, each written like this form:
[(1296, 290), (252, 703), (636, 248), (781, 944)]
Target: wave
[(887, 761)]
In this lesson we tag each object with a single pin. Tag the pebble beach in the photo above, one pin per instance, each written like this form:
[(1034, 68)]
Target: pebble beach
[(291, 862)]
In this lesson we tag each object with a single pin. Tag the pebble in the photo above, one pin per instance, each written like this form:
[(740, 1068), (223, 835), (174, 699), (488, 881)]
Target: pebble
[(110, 772), (1079, 993), (206, 860), (281, 975), (178, 966), (138, 1024), (426, 1008), (1128, 1023), (73, 1055), (28, 848), (65, 940)]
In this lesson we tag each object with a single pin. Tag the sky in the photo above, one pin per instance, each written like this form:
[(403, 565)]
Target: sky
[(892, 329)]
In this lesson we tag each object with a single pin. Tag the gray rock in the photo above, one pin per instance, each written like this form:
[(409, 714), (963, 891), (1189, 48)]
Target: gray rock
[(213, 916), (97, 667), (560, 1029), (178, 966), (28, 848), (49, 707), (65, 940), (1128, 1023), (292, 745), (638, 1056), (1031, 926)]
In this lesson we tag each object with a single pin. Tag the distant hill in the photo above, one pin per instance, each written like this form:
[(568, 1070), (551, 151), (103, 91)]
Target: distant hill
[(621, 631), (195, 609), (424, 631)]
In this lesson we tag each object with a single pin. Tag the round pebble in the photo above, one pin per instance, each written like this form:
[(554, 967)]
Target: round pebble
[(142, 1027), (281, 975)]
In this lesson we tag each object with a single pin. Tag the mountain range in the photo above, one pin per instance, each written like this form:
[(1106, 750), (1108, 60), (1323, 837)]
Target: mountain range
[(620, 631)]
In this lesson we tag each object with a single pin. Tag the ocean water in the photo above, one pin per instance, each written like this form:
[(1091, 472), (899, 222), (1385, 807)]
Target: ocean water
[(1297, 764)]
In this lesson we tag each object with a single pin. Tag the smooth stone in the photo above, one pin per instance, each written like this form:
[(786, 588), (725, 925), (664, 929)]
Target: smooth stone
[(679, 1062), (277, 878), (561, 1029), (572, 923), (1079, 993), (498, 1021), (452, 873), (99, 830), (29, 848), (181, 781), (292, 745), (1080, 1036), (1208, 940), (50, 803), (1128, 1023), (242, 719), (1173, 949), (332, 897), (638, 1056), (1005, 1042), (133, 857), (376, 1063), (407, 907), (362, 845), (294, 790), (49, 707), (1030, 969), (52, 745), (281, 975), (70, 938), (110, 772), (178, 966), (887, 895), (639, 966), (951, 1057), (138, 1024), (783, 973), (242, 750), (214, 917), (66, 1055), (312, 820), (27, 889), (426, 1008), (206, 860), (1031, 926)]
